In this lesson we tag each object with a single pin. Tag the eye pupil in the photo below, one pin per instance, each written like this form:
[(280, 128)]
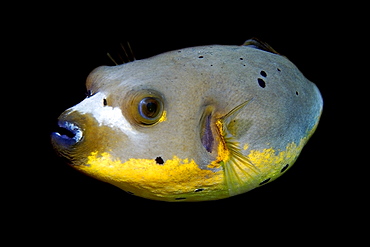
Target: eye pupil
[(151, 109)]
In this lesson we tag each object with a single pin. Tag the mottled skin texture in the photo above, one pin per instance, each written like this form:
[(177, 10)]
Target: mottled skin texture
[(198, 86)]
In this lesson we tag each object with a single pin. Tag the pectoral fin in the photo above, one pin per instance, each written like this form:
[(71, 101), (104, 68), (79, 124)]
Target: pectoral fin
[(239, 170)]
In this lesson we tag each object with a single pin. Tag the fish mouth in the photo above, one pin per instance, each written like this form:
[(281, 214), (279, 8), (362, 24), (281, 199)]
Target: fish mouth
[(67, 134)]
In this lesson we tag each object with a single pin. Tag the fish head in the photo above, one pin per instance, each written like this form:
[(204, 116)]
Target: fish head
[(138, 125)]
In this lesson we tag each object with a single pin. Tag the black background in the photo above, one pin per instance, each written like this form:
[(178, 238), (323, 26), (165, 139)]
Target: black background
[(58, 54)]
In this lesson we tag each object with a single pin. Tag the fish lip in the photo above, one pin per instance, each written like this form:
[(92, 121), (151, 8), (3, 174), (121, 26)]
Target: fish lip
[(71, 134)]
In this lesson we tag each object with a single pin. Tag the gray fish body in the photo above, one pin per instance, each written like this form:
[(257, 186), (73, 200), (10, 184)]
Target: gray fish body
[(282, 110)]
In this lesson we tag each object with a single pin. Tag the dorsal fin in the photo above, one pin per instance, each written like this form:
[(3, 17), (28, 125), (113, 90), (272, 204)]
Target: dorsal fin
[(258, 44)]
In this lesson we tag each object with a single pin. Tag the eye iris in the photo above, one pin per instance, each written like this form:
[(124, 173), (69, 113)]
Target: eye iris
[(148, 108)]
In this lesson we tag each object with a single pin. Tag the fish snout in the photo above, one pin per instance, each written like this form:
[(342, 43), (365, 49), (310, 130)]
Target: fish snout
[(68, 134)]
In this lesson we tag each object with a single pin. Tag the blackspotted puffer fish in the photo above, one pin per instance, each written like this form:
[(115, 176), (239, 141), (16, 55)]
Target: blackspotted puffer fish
[(195, 124)]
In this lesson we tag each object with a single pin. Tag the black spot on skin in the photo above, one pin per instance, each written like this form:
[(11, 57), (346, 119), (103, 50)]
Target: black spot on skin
[(241, 58), (200, 56), (263, 73), (198, 190), (278, 69), (180, 198), (159, 160), (105, 102), (261, 83), (265, 181), (296, 93), (284, 168)]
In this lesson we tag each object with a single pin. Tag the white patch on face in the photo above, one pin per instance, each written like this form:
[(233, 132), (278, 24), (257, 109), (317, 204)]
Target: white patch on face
[(105, 115)]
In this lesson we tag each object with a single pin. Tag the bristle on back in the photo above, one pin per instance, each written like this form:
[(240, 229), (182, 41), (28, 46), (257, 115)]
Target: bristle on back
[(125, 55)]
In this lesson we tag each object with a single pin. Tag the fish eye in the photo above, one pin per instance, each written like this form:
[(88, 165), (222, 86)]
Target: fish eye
[(146, 107), (149, 108)]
